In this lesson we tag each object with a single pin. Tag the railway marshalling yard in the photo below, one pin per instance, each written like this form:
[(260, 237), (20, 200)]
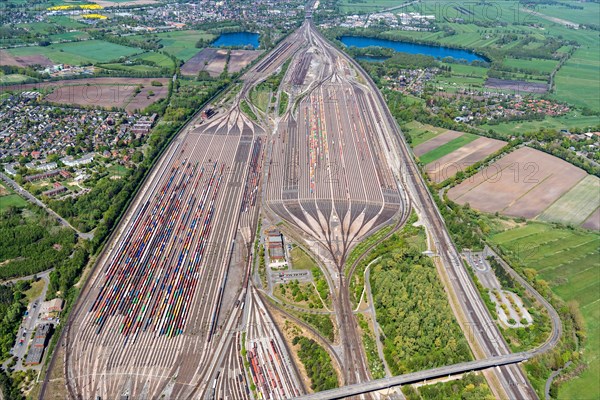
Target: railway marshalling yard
[(172, 301)]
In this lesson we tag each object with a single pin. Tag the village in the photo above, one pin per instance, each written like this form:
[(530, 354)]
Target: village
[(41, 144)]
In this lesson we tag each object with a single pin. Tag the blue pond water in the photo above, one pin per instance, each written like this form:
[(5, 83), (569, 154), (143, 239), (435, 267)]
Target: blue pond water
[(411, 48), (237, 39), (372, 58)]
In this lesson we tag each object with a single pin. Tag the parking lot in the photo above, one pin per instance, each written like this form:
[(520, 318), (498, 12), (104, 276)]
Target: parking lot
[(31, 320)]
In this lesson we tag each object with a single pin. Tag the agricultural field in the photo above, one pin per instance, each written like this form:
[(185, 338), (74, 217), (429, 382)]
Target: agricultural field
[(467, 70), (122, 3), (577, 80), (420, 133), (210, 60), (593, 221), (159, 59), (66, 22), (570, 120), (130, 68), (537, 64), (447, 148), (240, 59), (105, 96), (77, 53), (585, 13), (568, 260), (69, 36), (12, 79), (516, 86), (458, 160), (102, 92), (365, 6), (148, 94), (456, 82), (437, 140), (521, 184), (181, 44), (577, 205), (7, 58)]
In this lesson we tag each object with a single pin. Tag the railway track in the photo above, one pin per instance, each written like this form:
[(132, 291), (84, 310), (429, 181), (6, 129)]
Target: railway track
[(485, 331)]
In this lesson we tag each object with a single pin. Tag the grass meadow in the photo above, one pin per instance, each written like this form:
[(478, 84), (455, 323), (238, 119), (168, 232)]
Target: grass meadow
[(568, 260)]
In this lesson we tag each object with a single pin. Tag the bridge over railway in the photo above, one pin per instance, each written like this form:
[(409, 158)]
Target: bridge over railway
[(161, 316)]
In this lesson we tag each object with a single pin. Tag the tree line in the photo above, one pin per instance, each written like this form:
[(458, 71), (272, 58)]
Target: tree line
[(317, 364)]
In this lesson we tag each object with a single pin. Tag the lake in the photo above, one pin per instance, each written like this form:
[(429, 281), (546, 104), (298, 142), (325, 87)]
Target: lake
[(411, 48), (372, 58), (241, 39)]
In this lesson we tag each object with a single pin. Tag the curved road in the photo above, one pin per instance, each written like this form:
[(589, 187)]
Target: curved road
[(485, 331)]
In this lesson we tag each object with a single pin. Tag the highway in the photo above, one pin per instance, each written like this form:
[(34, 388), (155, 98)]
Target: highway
[(163, 312), (478, 325), (386, 383)]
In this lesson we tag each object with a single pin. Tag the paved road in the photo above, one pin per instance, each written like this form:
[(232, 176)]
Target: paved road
[(376, 330), (386, 383), (551, 378), (28, 277), (29, 324), (32, 199), (492, 362), (483, 330)]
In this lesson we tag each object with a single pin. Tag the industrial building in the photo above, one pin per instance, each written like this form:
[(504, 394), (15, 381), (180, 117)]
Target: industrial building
[(38, 345)]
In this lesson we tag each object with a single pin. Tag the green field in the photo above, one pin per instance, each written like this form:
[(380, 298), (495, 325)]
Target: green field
[(570, 120), (68, 36), (125, 67), (35, 290), (447, 148), (365, 6), (160, 59), (537, 64), (118, 170), (75, 53), (575, 206), (301, 260), (66, 22), (456, 82), (13, 78), (467, 70), (13, 200), (422, 132), (10, 198), (568, 260), (577, 80), (245, 107), (181, 44), (588, 14), (261, 97)]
